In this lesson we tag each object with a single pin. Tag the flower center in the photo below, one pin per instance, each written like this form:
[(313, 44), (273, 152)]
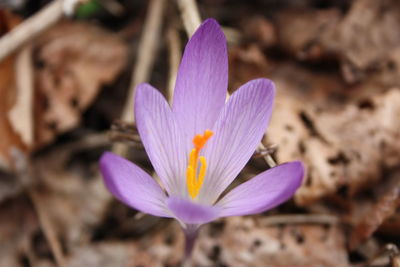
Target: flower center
[(195, 178)]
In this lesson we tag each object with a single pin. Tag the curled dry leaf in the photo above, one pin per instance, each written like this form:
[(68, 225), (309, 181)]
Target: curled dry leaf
[(367, 33), (235, 241), (300, 32), (117, 254), (75, 60), (391, 226), (361, 39), (158, 248), (253, 64), (246, 242), (10, 141), (375, 214), (261, 30), (315, 120), (75, 195), (332, 143), (18, 223)]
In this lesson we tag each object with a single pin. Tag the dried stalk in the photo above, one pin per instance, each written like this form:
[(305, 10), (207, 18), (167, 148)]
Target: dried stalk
[(147, 53), (21, 115), (31, 28), (299, 219), (174, 48), (47, 227), (190, 15), (267, 157)]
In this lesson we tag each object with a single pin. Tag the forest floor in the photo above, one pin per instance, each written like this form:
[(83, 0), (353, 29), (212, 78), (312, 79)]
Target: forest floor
[(336, 65)]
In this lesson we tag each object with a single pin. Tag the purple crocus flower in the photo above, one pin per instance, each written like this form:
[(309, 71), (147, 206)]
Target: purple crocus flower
[(200, 145)]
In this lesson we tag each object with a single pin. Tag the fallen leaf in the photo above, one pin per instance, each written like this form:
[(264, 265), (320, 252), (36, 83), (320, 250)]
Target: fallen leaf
[(361, 39), (75, 60), (246, 242), (366, 35), (377, 213), (317, 120), (76, 196), (10, 141), (18, 223), (301, 32)]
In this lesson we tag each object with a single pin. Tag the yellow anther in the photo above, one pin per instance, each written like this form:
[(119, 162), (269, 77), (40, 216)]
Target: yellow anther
[(193, 158), (193, 184), (203, 168), (190, 178)]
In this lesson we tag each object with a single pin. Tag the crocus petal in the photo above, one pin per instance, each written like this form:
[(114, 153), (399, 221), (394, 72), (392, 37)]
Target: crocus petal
[(188, 212), (264, 191), (161, 138), (202, 80), (132, 186), (237, 133)]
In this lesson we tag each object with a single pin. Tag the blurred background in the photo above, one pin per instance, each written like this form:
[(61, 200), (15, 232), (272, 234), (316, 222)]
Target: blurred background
[(68, 70)]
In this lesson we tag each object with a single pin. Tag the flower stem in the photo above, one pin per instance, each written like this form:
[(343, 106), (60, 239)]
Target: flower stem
[(191, 232)]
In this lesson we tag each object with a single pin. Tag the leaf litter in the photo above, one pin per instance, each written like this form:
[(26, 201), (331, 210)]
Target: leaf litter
[(337, 109)]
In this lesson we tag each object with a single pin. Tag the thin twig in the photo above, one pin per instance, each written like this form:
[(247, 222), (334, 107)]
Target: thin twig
[(36, 24), (268, 150), (30, 28), (147, 53), (267, 157), (299, 219), (191, 19), (174, 47), (190, 15), (47, 227), (233, 36), (21, 115)]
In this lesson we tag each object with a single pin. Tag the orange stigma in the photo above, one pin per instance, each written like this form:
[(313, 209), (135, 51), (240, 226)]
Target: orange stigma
[(195, 178)]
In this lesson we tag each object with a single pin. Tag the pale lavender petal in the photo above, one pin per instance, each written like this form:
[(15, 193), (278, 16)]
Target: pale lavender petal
[(202, 80), (237, 133), (132, 186), (161, 138), (189, 212), (263, 192)]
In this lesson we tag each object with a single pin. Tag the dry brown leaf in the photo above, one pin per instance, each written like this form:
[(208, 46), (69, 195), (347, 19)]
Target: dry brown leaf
[(300, 31), (76, 198), (75, 61), (253, 64), (363, 39), (10, 141), (157, 248), (246, 242), (117, 254), (236, 241), (260, 29), (375, 213), (391, 226), (18, 223), (315, 120), (333, 143), (20, 115), (367, 33)]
